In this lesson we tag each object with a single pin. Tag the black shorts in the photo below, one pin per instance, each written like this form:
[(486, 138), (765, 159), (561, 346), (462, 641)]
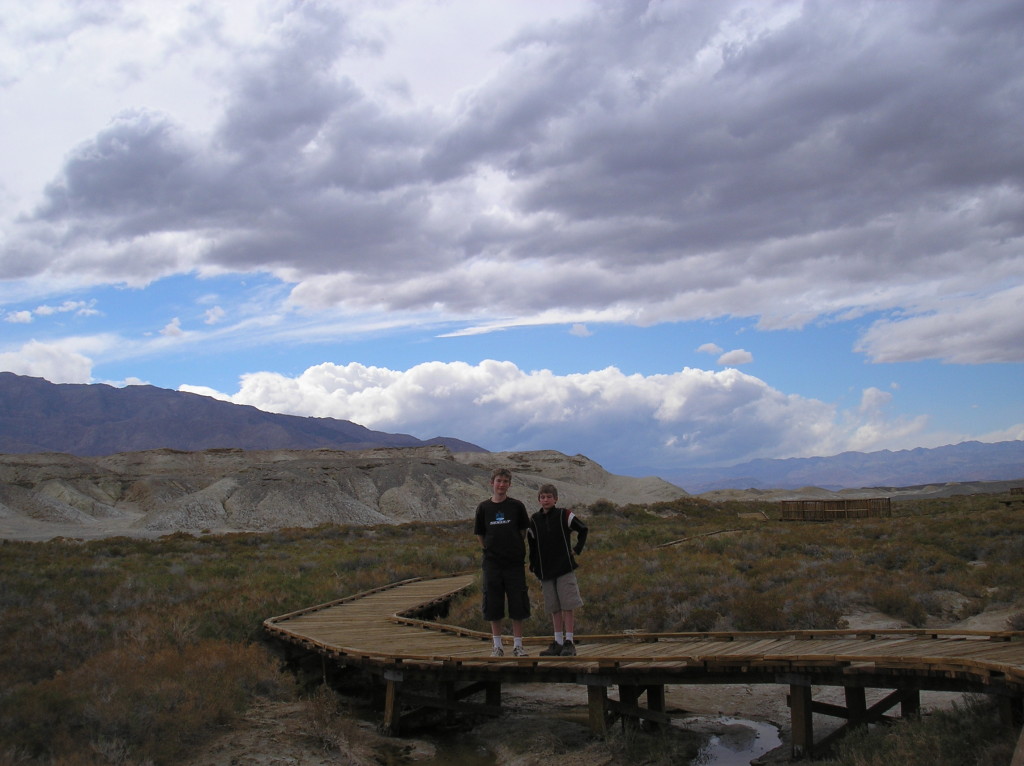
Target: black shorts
[(501, 582)]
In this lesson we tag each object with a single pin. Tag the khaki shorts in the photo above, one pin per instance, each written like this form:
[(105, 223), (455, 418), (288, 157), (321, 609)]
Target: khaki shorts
[(561, 594)]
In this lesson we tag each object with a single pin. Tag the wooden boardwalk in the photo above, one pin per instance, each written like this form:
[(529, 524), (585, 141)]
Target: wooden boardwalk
[(389, 632)]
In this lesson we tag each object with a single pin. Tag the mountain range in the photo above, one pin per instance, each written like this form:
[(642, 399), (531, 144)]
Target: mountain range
[(89, 420), (965, 462)]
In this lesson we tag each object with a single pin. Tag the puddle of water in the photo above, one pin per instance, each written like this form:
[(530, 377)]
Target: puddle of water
[(733, 741)]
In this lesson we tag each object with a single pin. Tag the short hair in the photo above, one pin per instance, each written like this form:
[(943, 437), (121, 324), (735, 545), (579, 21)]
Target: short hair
[(548, 489), (501, 472)]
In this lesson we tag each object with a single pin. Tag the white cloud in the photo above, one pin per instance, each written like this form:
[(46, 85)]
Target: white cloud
[(55, 362), (873, 400), (81, 308), (214, 315), (580, 331), (735, 358), (961, 330), (655, 422), (172, 329), (19, 317)]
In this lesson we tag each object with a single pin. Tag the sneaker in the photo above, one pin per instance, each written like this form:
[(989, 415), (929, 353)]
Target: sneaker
[(554, 650), (568, 649), (497, 652), (519, 652)]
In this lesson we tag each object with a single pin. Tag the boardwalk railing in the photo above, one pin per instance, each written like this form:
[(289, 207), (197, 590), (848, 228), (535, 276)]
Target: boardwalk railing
[(390, 633)]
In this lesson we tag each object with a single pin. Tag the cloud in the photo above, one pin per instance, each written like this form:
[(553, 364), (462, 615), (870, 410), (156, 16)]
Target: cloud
[(580, 330), (629, 423), (56, 362), (966, 331), (792, 162), (709, 348), (735, 358), (79, 308), (172, 329), (214, 315)]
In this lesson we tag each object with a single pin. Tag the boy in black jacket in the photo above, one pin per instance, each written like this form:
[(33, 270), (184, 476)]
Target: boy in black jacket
[(552, 560)]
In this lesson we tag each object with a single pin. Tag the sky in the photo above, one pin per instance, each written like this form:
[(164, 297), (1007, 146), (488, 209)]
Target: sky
[(664, 235)]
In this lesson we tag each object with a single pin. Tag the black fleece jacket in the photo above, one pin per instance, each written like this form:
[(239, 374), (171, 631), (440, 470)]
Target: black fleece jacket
[(550, 539)]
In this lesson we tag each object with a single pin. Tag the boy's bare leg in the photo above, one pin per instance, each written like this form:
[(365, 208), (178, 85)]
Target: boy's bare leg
[(556, 621)]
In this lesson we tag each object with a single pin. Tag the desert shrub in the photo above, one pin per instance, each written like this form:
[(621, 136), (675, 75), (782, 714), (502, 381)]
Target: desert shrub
[(667, 746), (969, 734), (700, 620), (602, 508), (159, 704), (750, 610), (898, 601)]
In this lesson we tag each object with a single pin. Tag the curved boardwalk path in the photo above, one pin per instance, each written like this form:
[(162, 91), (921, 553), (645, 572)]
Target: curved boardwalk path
[(389, 632)]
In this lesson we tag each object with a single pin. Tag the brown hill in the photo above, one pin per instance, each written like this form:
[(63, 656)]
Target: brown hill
[(157, 492)]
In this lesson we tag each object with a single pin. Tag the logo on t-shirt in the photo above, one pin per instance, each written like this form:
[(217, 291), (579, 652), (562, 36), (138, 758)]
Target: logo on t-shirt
[(499, 518)]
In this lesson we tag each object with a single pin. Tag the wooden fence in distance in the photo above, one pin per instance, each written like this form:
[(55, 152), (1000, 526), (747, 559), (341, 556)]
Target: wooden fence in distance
[(832, 510)]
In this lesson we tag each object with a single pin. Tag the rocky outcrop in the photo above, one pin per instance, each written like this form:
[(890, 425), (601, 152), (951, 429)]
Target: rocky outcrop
[(157, 492)]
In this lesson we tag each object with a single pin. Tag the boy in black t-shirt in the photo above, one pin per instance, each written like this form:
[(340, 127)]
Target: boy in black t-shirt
[(500, 525)]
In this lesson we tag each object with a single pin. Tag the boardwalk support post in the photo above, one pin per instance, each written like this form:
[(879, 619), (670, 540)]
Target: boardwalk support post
[(391, 704), (801, 720), (910, 703), (856, 706), (656, 700), (597, 704), (492, 694)]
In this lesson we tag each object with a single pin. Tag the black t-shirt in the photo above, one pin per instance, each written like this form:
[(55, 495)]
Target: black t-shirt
[(501, 525)]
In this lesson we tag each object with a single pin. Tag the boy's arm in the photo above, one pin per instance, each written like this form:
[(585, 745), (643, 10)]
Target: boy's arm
[(581, 530), (531, 538)]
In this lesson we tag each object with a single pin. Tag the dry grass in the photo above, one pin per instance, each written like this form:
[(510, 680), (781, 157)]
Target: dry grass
[(126, 651)]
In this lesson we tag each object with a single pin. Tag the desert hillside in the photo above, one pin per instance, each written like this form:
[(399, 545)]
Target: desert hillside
[(158, 492)]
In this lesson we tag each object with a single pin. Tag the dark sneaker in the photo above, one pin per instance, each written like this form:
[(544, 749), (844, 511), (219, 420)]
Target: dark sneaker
[(568, 649), (554, 650)]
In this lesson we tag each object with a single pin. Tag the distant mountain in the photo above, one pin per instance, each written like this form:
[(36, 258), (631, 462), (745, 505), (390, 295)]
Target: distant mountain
[(95, 419), (964, 462)]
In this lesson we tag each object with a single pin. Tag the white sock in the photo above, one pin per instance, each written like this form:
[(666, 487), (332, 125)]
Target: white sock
[(559, 637), (568, 637), (497, 641), (517, 641)]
